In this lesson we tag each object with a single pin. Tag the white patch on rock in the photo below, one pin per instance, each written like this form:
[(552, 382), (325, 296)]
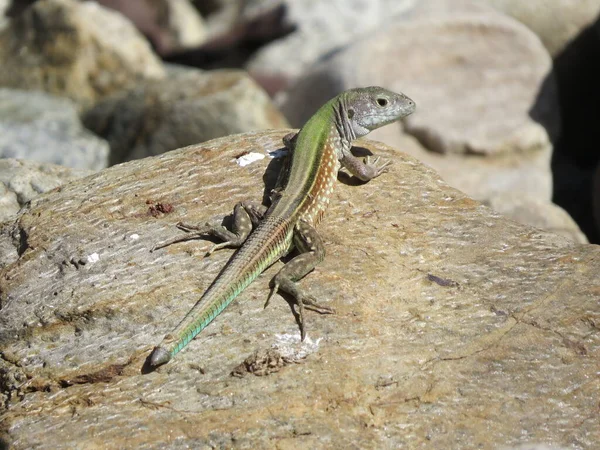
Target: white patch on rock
[(94, 257), (249, 158), (291, 347)]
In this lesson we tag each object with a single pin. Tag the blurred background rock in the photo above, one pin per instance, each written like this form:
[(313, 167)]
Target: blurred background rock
[(507, 91)]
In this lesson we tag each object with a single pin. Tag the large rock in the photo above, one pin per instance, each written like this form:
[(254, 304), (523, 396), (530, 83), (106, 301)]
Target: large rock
[(481, 178), (556, 23), (322, 26), (78, 50), (41, 127), (455, 327), (481, 82), (537, 213), (21, 181), (188, 107)]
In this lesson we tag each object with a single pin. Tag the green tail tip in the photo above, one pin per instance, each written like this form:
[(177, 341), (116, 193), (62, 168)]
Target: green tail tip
[(159, 357)]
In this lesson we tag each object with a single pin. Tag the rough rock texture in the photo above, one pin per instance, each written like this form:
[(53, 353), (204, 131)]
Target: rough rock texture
[(188, 107), (169, 24), (41, 127), (322, 26), (537, 213), (21, 181), (77, 50), (556, 22), (455, 327)]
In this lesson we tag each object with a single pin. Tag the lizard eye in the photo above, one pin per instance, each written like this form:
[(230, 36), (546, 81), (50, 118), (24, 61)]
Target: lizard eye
[(350, 113), (382, 101)]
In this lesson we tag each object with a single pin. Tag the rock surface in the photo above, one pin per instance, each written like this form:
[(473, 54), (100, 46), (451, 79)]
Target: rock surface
[(41, 127), (322, 26), (72, 49), (21, 181), (481, 178), (556, 23), (188, 107), (537, 213), (455, 327)]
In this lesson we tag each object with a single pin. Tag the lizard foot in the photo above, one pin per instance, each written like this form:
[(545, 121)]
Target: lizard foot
[(376, 167)]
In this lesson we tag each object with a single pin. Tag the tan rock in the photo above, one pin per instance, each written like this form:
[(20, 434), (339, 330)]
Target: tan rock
[(481, 177), (537, 213), (72, 49), (455, 327), (322, 26), (188, 107), (556, 23)]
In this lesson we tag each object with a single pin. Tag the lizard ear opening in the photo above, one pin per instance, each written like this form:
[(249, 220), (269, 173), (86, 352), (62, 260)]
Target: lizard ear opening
[(350, 114)]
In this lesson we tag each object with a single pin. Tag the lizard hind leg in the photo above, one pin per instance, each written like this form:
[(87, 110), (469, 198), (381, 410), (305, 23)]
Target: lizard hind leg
[(312, 251), (246, 216)]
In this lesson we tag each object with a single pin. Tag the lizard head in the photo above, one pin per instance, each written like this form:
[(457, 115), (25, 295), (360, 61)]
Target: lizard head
[(373, 107)]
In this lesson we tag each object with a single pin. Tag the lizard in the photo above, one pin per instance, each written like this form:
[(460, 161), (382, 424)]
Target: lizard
[(263, 236)]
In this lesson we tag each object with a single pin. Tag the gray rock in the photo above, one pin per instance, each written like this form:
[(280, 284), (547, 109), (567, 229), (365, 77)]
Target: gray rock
[(455, 327), (72, 49), (556, 23), (537, 213), (322, 26), (9, 205), (41, 127), (21, 181), (189, 107)]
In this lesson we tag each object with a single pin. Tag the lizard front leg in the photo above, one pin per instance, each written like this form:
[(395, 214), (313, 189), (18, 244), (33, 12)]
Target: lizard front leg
[(312, 251), (246, 215), (364, 170)]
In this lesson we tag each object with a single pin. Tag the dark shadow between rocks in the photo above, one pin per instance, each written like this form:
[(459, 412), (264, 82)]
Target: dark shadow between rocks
[(577, 148)]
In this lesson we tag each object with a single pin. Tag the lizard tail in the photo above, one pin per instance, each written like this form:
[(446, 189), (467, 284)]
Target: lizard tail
[(159, 357), (266, 244)]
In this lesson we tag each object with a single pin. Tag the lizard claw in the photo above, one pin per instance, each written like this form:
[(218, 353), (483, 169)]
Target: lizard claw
[(309, 302), (377, 167), (274, 289)]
